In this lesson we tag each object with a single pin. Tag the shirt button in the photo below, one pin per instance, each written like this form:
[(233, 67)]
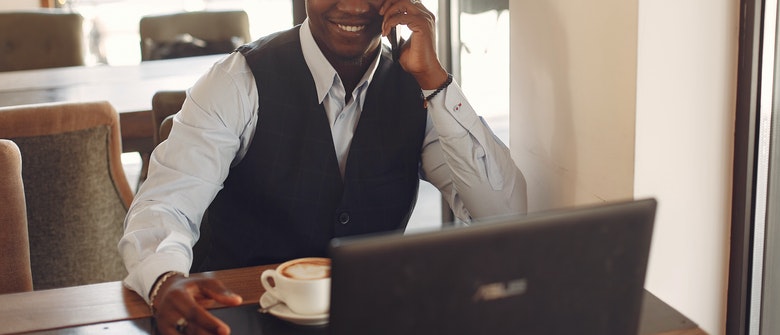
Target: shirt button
[(344, 218)]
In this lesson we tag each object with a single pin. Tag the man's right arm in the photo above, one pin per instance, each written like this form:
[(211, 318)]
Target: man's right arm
[(210, 133)]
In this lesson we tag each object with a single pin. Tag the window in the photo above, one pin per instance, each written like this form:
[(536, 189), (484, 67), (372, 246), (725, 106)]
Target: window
[(484, 60), (754, 273), (111, 26)]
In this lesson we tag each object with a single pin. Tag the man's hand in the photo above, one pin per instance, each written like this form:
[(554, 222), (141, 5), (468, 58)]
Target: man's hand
[(180, 306), (418, 55)]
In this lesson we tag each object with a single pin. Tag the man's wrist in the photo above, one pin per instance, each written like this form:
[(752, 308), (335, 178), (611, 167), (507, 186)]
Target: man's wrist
[(158, 284), (432, 81)]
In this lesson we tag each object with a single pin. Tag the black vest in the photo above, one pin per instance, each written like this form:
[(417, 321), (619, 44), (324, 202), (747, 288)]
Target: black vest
[(286, 198)]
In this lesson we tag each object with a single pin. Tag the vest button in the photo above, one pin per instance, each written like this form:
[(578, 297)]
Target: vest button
[(344, 218)]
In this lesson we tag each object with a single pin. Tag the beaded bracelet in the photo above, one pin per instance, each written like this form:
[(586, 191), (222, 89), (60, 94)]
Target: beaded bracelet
[(441, 88), (159, 284)]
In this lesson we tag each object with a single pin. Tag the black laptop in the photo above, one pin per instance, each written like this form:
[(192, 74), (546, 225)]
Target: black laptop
[(575, 271)]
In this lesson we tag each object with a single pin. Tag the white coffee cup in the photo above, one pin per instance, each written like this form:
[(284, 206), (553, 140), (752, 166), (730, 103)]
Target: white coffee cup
[(303, 284)]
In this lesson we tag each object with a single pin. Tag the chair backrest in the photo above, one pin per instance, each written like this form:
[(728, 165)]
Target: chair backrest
[(165, 127), (192, 33), (40, 39), (15, 275), (164, 105), (76, 191)]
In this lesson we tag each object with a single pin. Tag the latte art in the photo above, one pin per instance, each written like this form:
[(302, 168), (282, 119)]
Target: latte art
[(303, 284), (307, 270)]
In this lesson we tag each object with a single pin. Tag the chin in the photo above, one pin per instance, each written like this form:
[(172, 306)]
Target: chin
[(356, 54)]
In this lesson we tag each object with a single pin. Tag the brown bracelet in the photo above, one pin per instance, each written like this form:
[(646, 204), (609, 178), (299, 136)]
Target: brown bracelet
[(438, 90), (158, 284)]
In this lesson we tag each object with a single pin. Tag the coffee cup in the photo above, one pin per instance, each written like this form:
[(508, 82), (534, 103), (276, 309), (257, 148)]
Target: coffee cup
[(303, 284)]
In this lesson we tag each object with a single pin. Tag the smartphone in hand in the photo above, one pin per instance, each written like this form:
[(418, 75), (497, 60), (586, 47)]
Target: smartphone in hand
[(394, 44)]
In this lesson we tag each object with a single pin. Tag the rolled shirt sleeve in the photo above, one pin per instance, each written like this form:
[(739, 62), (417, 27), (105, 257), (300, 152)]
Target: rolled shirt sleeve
[(465, 160), (210, 134)]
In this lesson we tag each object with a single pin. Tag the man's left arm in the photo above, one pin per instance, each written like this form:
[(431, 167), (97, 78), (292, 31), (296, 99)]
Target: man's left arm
[(461, 155), (464, 159)]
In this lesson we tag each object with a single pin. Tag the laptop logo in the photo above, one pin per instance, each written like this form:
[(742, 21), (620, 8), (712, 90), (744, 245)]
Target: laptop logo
[(500, 290)]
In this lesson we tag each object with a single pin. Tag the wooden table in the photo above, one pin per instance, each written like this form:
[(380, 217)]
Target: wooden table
[(129, 88), (111, 308)]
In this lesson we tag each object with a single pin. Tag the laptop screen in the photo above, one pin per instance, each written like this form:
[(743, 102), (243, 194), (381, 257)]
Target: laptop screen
[(573, 271)]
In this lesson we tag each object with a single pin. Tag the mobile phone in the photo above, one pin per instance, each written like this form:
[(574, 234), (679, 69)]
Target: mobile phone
[(393, 37)]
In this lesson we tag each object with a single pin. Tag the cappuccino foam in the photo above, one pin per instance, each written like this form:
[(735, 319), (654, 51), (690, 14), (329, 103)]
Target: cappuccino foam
[(307, 270)]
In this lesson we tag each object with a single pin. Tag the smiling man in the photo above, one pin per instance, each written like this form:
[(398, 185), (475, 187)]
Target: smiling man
[(302, 136)]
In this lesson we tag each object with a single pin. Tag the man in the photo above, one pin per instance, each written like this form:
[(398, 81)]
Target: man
[(300, 137)]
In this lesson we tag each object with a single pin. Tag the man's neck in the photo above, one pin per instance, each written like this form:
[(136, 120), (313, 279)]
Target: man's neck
[(350, 76), (351, 71)]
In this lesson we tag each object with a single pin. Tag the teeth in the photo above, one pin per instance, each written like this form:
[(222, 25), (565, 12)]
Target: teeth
[(351, 28)]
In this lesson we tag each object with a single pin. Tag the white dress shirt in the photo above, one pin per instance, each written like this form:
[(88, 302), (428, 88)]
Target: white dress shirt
[(212, 132)]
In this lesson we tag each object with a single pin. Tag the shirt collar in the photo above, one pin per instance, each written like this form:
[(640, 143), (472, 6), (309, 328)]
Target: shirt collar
[(321, 70)]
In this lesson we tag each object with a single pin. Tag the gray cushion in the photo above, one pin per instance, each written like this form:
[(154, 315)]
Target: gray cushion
[(73, 210), (76, 191)]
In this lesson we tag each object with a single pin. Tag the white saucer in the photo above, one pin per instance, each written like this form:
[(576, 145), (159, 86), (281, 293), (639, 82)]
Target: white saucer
[(283, 312)]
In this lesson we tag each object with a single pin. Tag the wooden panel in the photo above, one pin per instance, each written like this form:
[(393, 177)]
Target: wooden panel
[(137, 131)]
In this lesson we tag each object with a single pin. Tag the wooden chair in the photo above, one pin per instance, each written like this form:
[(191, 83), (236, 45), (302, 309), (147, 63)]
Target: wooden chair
[(15, 273), (75, 187), (164, 105), (40, 39), (165, 128), (192, 33)]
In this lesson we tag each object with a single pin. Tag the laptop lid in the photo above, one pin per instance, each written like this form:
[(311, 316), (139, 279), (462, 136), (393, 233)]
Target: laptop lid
[(573, 271)]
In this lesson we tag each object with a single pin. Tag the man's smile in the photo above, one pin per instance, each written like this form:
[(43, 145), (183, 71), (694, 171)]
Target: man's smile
[(350, 28)]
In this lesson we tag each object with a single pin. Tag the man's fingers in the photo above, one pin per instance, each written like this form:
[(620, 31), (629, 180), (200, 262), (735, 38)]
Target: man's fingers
[(385, 6), (183, 306), (394, 12), (406, 14), (208, 291), (217, 291)]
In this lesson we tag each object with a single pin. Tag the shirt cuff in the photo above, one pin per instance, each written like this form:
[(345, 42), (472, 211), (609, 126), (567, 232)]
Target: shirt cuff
[(451, 113), (142, 277)]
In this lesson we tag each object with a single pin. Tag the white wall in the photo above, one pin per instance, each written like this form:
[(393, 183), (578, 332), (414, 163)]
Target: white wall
[(613, 99), (686, 97), (572, 103)]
